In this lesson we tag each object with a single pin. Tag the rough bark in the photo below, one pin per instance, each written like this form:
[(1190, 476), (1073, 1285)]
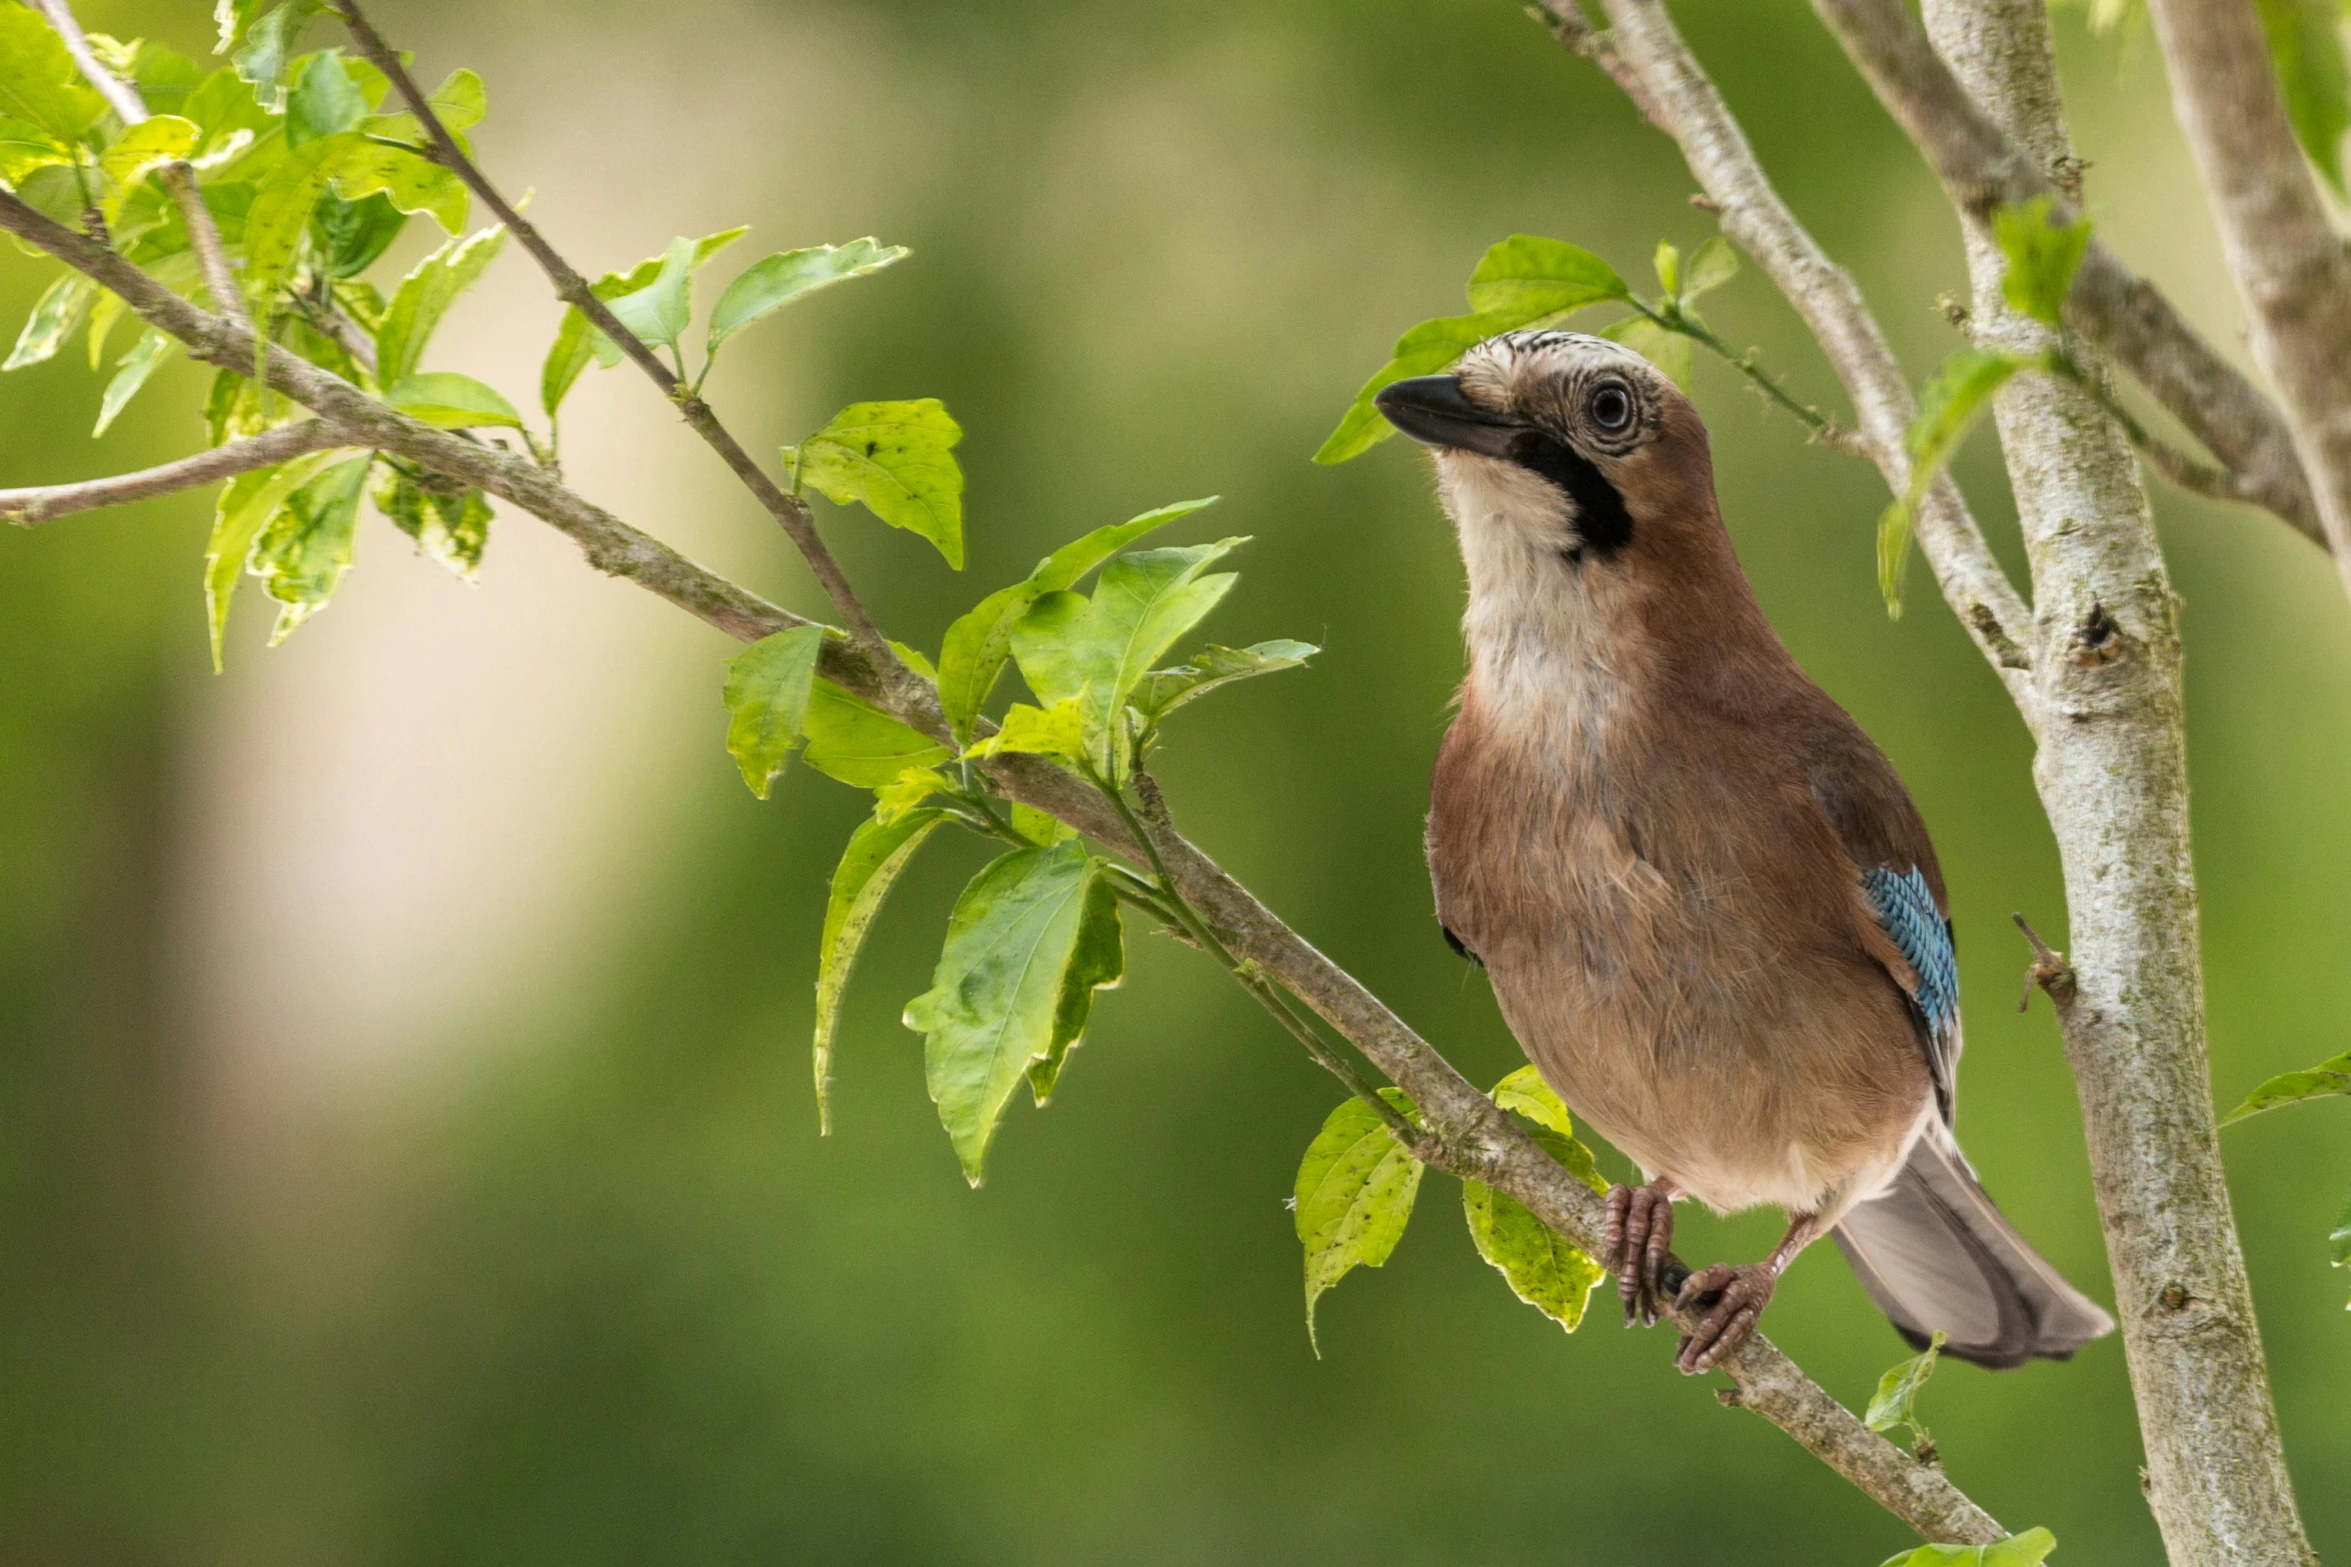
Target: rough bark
[(2112, 773)]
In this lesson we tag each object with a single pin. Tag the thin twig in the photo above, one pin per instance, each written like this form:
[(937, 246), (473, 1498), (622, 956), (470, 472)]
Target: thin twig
[(27, 507), (573, 289), (1478, 1141)]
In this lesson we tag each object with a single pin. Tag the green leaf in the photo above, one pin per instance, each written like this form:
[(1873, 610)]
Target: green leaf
[(162, 139), (1541, 1266), (1097, 650), (1669, 267), (459, 103), (353, 235), (869, 867), (577, 343), (767, 286), (1896, 1401), (55, 315), (452, 526), (1711, 265), (325, 100), (1040, 826), (1949, 407), (2306, 48), (911, 788), (2028, 1549), (768, 687), (269, 40), (1527, 277), (2042, 258), (1031, 939), (38, 82), (660, 311), (851, 742), (980, 642), (895, 458), (307, 545), (1425, 350), (2322, 1080), (406, 179), (283, 203), (1162, 691), (25, 147), (1668, 350), (451, 401), (131, 373), (1354, 1196), (424, 297), (1058, 732), (1525, 1092), (246, 502), (105, 311)]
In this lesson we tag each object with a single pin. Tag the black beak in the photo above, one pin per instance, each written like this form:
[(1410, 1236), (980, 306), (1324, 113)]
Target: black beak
[(1432, 410)]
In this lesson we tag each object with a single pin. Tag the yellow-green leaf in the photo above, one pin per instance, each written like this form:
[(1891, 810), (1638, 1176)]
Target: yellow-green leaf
[(895, 458), (2325, 1079), (768, 688), (869, 866), (1353, 1196), (2028, 1549)]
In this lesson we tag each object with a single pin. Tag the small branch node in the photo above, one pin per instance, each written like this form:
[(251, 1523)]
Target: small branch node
[(2050, 971)]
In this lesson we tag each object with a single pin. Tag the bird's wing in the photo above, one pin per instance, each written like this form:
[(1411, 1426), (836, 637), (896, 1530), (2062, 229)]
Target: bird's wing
[(1899, 912)]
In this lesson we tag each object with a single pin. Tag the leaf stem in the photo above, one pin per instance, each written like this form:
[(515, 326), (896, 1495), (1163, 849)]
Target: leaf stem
[(1824, 429)]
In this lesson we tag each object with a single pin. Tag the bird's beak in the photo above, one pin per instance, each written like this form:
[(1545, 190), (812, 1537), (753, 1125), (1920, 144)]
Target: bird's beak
[(1433, 411)]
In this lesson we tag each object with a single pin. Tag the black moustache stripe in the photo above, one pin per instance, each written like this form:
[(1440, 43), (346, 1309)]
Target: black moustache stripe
[(1603, 526)]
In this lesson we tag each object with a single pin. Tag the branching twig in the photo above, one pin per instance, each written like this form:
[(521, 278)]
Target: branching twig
[(2111, 305), (1475, 1140), (27, 507), (572, 288)]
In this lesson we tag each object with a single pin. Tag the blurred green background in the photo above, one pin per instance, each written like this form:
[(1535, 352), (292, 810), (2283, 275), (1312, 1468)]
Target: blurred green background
[(406, 1147)]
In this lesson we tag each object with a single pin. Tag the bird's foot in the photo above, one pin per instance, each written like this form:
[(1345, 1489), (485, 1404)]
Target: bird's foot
[(1639, 1236), (1732, 1299)]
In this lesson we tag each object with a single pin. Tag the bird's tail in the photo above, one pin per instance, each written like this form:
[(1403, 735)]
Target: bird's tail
[(1936, 1256)]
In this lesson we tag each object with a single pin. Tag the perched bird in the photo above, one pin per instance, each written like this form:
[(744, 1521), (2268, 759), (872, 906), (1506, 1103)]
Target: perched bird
[(1708, 907)]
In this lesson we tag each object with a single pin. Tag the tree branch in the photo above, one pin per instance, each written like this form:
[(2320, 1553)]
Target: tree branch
[(1474, 1138), (572, 288), (1645, 55), (2113, 779), (27, 507), (2123, 313)]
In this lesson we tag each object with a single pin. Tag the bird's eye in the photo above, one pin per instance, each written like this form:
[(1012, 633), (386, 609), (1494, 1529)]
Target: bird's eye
[(1611, 407)]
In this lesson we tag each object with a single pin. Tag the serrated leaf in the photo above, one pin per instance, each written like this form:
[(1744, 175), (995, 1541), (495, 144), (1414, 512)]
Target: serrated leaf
[(1058, 731), (1541, 1266), (450, 401), (869, 867), (896, 459), (307, 545), (132, 370), (459, 103), (2042, 258), (2028, 1549), (767, 693), (856, 744), (1668, 350), (1098, 650), (1710, 266), (38, 82), (577, 343), (1162, 691), (979, 644), (406, 179), (2321, 1081), (1353, 1196), (1424, 350), (424, 297), (325, 101), (1948, 409), (1895, 1403), (55, 315), (660, 311), (453, 527), (1015, 985), (162, 139), (768, 285), (1527, 277), (2306, 49), (246, 503)]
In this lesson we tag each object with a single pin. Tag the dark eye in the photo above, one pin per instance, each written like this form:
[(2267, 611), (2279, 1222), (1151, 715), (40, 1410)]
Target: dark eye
[(1611, 407)]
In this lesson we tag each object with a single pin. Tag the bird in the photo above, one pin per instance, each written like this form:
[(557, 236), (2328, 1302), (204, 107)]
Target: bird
[(1709, 909)]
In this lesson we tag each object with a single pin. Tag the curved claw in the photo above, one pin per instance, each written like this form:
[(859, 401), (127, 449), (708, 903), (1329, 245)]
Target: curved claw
[(1638, 1236), (1733, 1299)]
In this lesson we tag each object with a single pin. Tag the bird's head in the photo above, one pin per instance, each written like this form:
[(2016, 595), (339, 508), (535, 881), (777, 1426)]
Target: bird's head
[(1561, 452)]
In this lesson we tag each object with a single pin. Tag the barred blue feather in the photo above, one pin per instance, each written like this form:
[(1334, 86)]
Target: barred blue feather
[(1905, 906)]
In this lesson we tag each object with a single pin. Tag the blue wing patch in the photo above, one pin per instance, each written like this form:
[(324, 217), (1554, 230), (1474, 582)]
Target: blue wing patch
[(1905, 906)]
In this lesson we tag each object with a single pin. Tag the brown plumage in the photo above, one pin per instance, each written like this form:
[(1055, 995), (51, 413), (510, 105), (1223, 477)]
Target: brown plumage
[(1653, 830)]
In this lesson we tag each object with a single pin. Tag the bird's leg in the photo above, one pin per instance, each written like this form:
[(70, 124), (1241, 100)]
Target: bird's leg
[(1639, 1236), (1733, 1297)]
